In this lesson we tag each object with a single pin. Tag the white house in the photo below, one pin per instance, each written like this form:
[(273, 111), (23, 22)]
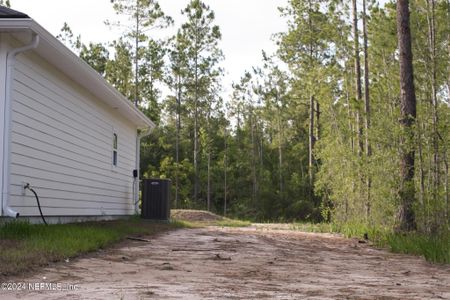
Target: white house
[(64, 130)]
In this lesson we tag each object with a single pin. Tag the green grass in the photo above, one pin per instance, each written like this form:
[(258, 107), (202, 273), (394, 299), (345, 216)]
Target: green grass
[(434, 248), (202, 218), (24, 246), (181, 224), (222, 223), (232, 223), (310, 227)]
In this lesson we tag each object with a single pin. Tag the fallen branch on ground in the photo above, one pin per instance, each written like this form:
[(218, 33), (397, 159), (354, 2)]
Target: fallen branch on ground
[(200, 250), (138, 239)]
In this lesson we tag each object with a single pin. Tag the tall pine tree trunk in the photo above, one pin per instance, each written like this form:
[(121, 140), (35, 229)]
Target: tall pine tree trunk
[(350, 122), (280, 156), (254, 179), (448, 50), (434, 101), (318, 131), (421, 168), (225, 162), (311, 146), (136, 59), (367, 112), (359, 132), (196, 177), (445, 154), (257, 159), (208, 134), (177, 142), (209, 181), (447, 216), (406, 216)]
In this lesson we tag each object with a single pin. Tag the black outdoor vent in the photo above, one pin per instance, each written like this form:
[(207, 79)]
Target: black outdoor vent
[(156, 199)]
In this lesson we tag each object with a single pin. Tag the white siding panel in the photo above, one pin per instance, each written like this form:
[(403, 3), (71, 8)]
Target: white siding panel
[(36, 168), (60, 99), (3, 51), (62, 146), (46, 152), (49, 197), (77, 210), (43, 184), (37, 78), (42, 110), (24, 130)]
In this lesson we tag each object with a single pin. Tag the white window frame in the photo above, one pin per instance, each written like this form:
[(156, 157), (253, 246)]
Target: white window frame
[(115, 150)]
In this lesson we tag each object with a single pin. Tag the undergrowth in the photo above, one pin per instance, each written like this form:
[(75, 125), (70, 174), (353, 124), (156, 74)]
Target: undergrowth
[(433, 247), (225, 222)]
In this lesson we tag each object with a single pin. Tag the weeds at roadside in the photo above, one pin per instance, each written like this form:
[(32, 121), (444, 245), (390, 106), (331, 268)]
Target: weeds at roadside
[(434, 248), (233, 223), (221, 223)]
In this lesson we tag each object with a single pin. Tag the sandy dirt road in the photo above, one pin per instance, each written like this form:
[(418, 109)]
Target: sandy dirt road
[(242, 263)]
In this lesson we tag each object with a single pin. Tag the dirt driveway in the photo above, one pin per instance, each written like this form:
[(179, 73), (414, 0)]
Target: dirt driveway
[(242, 263)]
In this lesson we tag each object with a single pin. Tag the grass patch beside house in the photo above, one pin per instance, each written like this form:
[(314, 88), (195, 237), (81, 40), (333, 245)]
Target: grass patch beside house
[(24, 246)]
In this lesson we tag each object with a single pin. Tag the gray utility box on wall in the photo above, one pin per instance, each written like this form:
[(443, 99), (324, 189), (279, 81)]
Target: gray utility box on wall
[(156, 199)]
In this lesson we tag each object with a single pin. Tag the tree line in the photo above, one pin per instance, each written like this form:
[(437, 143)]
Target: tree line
[(347, 122)]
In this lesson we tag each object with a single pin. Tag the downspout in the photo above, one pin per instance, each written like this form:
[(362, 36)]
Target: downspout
[(10, 62), (139, 137)]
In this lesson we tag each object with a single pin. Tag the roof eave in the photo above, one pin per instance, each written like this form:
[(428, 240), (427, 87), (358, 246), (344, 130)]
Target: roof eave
[(78, 70)]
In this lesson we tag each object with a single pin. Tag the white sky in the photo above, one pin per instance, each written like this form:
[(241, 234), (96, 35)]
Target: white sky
[(246, 25)]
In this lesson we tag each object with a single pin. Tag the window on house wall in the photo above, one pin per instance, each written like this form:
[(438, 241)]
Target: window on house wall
[(114, 161)]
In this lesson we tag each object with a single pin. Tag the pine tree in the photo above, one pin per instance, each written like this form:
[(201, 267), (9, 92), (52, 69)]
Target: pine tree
[(201, 38), (5, 3), (408, 113), (119, 70), (143, 15), (67, 38), (96, 55)]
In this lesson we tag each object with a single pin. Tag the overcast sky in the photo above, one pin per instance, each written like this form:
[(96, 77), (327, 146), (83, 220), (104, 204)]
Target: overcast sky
[(246, 25)]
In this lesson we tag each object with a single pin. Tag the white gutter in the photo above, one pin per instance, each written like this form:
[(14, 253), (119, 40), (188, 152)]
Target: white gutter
[(141, 135), (10, 61), (63, 59)]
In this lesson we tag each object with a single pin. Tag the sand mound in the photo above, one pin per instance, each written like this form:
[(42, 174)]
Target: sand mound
[(194, 215)]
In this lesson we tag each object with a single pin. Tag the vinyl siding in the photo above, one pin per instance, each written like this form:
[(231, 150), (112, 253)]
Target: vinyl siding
[(61, 144), (3, 50)]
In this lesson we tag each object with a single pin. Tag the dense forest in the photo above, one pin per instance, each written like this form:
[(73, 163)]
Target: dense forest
[(347, 122)]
